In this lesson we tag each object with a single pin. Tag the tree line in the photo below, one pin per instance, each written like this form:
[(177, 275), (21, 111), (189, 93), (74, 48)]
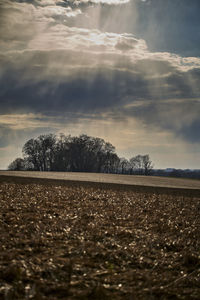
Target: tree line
[(180, 173), (77, 154)]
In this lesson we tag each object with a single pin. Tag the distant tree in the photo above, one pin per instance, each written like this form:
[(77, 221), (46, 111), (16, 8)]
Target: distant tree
[(90, 154), (67, 153), (141, 165), (108, 160), (176, 173), (124, 166), (47, 151), (17, 165), (31, 152), (187, 173), (136, 165), (147, 164), (77, 154), (62, 153), (111, 163), (40, 152)]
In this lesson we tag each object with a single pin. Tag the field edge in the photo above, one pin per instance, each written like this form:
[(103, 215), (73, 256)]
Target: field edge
[(102, 185)]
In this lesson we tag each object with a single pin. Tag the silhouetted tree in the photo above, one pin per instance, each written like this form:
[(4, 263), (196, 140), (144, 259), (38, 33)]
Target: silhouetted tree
[(17, 165), (62, 153), (124, 166), (67, 153), (40, 152), (141, 165), (147, 164), (77, 154), (32, 153), (47, 151), (136, 164)]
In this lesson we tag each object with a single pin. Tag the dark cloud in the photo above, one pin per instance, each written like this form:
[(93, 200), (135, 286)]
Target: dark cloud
[(70, 61), (156, 92), (91, 91), (181, 117), (191, 132)]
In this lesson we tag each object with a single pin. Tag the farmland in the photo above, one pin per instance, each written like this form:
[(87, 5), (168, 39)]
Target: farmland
[(90, 240), (151, 181)]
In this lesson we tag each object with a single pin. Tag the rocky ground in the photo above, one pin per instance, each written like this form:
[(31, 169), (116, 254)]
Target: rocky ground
[(68, 240)]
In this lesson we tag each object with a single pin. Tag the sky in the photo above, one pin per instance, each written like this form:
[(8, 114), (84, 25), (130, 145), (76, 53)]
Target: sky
[(127, 71)]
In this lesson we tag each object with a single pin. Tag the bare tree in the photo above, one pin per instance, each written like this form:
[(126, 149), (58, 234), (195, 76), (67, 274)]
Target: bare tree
[(147, 164), (17, 165), (141, 164), (67, 153), (40, 152), (124, 165), (136, 164)]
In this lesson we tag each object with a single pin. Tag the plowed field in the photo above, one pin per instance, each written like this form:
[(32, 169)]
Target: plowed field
[(75, 240)]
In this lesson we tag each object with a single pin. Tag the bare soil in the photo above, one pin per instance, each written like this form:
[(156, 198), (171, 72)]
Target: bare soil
[(75, 240)]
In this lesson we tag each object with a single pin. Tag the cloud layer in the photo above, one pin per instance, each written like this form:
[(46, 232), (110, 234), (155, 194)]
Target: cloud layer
[(58, 61)]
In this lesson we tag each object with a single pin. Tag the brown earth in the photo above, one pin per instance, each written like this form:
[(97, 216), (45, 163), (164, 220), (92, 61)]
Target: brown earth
[(75, 240)]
